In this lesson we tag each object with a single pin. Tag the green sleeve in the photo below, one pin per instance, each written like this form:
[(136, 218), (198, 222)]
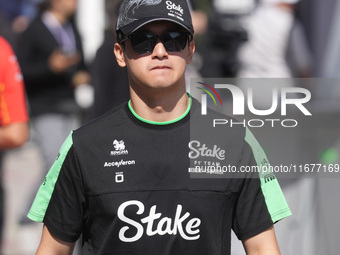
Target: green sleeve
[(42, 199), (274, 198)]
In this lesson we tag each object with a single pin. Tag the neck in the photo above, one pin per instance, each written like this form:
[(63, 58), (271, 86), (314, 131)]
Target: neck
[(160, 108)]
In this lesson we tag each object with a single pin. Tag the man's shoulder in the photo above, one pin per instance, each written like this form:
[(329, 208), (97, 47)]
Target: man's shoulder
[(35, 28), (210, 111), (113, 119), (216, 121)]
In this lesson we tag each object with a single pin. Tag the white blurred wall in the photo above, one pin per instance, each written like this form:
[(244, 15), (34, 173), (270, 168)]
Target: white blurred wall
[(91, 24)]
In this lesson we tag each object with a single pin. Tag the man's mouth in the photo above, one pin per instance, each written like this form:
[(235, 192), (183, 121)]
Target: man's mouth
[(160, 68)]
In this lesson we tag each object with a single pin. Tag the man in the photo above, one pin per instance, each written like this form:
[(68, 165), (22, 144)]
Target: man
[(13, 111), (122, 181), (50, 55)]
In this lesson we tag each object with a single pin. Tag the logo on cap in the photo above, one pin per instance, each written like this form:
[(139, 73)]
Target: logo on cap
[(172, 6), (175, 11)]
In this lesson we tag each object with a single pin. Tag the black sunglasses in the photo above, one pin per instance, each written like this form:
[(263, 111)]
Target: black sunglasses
[(145, 42)]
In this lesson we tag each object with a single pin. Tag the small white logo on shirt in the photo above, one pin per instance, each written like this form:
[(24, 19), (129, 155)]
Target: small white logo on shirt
[(119, 148), (165, 225), (119, 177), (119, 163)]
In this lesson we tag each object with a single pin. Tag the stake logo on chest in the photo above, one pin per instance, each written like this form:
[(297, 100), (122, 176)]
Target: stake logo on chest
[(155, 224)]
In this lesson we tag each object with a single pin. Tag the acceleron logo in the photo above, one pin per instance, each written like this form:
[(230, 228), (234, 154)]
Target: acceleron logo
[(204, 96)]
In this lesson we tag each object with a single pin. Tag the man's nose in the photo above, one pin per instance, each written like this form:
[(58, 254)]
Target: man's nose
[(159, 51)]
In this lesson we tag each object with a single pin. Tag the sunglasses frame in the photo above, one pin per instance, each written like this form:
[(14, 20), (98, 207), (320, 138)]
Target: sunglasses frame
[(122, 38)]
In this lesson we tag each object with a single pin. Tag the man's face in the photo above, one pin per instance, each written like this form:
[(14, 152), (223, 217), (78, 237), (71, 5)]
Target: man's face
[(159, 69)]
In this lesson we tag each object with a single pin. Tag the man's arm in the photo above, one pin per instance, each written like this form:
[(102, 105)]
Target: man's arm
[(13, 135), (262, 244), (53, 246)]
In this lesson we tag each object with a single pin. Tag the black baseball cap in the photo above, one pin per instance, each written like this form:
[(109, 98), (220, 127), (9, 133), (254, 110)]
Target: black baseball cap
[(133, 14)]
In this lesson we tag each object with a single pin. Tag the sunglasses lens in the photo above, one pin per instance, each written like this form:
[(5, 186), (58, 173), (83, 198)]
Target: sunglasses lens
[(142, 43), (145, 43), (174, 41)]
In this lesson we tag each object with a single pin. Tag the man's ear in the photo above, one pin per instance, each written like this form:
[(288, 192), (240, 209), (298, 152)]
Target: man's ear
[(191, 51), (119, 53)]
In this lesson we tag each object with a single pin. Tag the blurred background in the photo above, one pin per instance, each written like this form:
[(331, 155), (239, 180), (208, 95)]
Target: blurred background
[(71, 77)]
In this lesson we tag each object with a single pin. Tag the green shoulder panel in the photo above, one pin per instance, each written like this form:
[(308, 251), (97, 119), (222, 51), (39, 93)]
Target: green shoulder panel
[(42, 199), (274, 198)]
